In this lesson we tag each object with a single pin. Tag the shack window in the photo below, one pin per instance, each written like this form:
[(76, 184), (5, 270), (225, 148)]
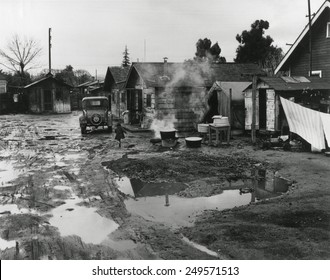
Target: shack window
[(148, 100), (316, 73), (328, 30), (123, 96)]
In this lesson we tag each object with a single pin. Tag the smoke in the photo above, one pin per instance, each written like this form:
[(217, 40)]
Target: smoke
[(163, 124), (190, 74)]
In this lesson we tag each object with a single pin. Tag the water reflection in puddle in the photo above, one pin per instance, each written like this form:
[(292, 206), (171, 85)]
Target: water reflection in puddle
[(14, 209), (158, 202), (72, 219), (9, 173), (181, 211), (5, 244)]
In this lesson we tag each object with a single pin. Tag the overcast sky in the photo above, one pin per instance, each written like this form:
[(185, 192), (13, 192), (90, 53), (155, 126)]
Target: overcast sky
[(92, 34)]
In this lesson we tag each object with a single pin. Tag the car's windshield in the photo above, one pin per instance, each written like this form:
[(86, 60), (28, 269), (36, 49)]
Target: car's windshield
[(95, 104)]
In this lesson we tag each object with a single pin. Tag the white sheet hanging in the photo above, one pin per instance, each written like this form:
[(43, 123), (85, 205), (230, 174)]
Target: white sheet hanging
[(305, 122), (326, 126)]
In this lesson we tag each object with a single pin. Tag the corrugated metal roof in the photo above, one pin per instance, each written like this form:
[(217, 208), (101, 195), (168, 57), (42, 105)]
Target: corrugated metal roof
[(295, 84), (280, 84)]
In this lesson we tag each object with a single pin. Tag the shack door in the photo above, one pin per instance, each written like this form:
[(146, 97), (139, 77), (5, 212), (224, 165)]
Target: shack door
[(134, 105), (48, 105), (270, 110), (248, 109)]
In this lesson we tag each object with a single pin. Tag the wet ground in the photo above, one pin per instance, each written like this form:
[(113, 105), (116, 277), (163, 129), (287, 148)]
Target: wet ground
[(68, 196)]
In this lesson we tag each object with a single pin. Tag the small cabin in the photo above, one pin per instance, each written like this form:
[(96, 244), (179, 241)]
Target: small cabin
[(48, 95)]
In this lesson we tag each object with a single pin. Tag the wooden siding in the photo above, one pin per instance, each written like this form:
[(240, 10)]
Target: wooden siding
[(57, 102), (299, 62)]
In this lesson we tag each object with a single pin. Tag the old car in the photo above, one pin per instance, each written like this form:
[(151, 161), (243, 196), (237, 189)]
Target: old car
[(96, 113)]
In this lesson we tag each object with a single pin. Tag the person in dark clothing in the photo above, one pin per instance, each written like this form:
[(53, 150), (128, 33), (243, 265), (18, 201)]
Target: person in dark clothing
[(120, 133)]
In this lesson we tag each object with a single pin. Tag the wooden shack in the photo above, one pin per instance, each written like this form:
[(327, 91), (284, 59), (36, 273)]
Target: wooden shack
[(310, 92), (114, 83), (48, 95), (167, 95)]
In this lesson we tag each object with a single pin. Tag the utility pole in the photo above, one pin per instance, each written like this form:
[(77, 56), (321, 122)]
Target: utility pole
[(49, 47), (310, 38)]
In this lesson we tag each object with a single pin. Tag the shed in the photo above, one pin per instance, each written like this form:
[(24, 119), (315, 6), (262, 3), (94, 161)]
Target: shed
[(311, 92), (226, 96), (48, 95)]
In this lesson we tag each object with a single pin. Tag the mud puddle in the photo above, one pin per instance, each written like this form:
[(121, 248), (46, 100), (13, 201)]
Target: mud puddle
[(5, 244), (73, 219), (6, 209), (180, 211), (160, 202), (8, 172)]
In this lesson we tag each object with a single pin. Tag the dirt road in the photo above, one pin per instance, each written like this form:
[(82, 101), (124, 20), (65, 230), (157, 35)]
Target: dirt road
[(67, 196)]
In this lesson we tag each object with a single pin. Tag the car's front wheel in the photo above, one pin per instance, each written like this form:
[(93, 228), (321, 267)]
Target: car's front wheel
[(83, 130), (109, 128)]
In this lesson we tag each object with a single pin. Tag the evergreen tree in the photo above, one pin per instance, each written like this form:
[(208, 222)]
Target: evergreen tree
[(126, 61)]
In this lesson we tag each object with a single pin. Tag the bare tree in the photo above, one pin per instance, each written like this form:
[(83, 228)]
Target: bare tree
[(20, 54)]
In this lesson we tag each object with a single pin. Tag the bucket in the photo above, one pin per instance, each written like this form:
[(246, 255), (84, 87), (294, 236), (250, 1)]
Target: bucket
[(193, 142), (203, 127), (167, 134)]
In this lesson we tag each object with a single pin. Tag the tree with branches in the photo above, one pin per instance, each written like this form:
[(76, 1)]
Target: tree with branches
[(206, 51), (255, 47), (20, 55)]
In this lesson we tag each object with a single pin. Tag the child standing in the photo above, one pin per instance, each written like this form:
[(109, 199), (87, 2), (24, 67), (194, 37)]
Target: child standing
[(120, 133)]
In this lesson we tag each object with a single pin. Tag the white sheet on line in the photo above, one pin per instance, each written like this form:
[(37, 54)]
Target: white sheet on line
[(326, 126), (305, 122)]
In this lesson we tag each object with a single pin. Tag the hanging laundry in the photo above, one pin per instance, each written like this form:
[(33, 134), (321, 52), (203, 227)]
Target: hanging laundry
[(326, 126), (304, 122)]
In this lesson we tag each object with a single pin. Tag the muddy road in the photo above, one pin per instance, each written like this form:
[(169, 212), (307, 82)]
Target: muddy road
[(68, 196)]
